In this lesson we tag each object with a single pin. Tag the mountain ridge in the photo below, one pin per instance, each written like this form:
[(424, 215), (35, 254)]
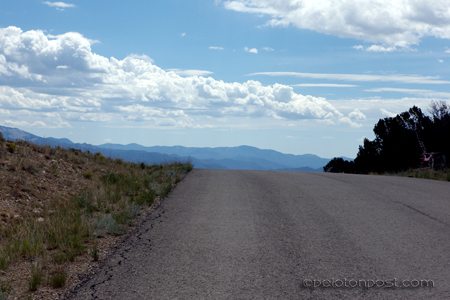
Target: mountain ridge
[(242, 157)]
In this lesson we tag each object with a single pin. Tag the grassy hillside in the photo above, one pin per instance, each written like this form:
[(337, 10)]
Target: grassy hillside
[(61, 210)]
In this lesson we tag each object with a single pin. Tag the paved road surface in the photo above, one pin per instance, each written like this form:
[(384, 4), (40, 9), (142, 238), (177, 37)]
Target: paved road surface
[(228, 234)]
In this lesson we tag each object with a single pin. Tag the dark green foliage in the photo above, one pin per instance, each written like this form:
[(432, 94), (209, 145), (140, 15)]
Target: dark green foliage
[(4, 261), (338, 165), (86, 201), (146, 197), (5, 290), (58, 278), (111, 178), (122, 217), (396, 146)]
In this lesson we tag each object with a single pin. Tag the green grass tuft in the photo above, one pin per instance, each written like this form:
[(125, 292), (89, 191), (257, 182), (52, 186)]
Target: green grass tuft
[(58, 278)]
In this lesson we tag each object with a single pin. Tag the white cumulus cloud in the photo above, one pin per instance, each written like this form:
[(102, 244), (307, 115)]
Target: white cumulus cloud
[(215, 48), (397, 23), (252, 50), (381, 48), (56, 80), (357, 114), (387, 113)]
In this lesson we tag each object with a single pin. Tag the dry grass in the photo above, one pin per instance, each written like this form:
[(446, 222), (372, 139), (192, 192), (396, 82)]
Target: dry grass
[(55, 204), (443, 175)]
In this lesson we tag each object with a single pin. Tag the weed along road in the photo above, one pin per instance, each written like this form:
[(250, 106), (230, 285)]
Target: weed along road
[(228, 234)]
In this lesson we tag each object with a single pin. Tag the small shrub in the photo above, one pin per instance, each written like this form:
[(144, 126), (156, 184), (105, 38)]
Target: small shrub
[(146, 182), (11, 147), (118, 161), (4, 296), (170, 173), (54, 169), (60, 257), (135, 187), (114, 197), (36, 278), (70, 256), (106, 224), (85, 201), (5, 290), (1, 137), (31, 247), (133, 210), (114, 228), (30, 168), (99, 156), (146, 197), (88, 174), (165, 190), (187, 167), (58, 278), (5, 260), (111, 178), (142, 165), (122, 217)]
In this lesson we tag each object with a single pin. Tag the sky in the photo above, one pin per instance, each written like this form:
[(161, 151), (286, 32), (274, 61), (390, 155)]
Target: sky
[(296, 76)]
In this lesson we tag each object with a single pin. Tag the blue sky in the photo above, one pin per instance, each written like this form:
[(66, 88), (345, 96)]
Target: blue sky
[(295, 76)]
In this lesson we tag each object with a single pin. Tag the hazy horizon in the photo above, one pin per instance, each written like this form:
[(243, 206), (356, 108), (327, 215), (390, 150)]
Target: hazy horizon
[(293, 76)]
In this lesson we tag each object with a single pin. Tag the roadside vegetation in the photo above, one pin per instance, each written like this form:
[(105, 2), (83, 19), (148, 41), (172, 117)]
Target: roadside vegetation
[(59, 204), (443, 175), (410, 144)]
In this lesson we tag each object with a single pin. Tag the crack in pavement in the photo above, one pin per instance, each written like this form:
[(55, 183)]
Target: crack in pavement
[(422, 213)]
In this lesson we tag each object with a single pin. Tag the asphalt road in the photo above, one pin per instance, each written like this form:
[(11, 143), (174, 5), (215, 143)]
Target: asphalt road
[(229, 234)]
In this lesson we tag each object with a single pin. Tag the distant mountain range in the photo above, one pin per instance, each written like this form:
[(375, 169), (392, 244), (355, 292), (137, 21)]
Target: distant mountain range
[(242, 157)]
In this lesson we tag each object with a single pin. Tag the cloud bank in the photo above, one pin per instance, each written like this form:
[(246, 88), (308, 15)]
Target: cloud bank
[(414, 79), (51, 81), (397, 23)]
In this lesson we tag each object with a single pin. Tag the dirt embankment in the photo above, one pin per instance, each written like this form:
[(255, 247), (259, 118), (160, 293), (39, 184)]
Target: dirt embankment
[(62, 211)]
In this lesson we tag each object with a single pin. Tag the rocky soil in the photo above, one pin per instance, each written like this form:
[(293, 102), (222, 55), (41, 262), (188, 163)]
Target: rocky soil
[(33, 177)]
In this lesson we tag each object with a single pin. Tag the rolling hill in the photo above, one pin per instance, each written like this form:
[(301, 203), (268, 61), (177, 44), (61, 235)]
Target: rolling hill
[(241, 157)]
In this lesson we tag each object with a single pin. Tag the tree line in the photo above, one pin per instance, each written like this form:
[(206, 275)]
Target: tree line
[(396, 145)]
